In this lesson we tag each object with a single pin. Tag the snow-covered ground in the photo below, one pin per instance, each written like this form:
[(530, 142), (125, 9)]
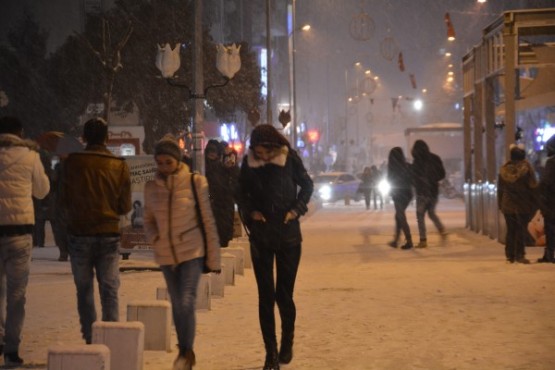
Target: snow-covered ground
[(361, 304)]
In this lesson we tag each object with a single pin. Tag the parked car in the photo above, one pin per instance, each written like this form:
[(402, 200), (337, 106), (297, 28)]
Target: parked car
[(333, 186)]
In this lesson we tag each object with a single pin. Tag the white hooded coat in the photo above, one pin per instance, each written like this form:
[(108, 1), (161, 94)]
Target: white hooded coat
[(171, 222), (21, 176)]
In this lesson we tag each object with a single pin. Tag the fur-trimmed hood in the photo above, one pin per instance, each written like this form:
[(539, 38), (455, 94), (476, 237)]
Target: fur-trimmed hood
[(512, 171), (278, 160), (10, 140)]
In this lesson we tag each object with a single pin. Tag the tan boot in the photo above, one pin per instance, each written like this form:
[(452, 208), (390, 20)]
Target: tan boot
[(422, 244)]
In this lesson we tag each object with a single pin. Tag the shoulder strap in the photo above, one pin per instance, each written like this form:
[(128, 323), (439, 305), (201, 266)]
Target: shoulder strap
[(197, 209)]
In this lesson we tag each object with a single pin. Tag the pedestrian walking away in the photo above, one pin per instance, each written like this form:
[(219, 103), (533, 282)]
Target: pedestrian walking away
[(365, 186), (175, 229), (517, 200), (398, 176), (22, 177), (275, 189), (95, 191), (547, 201), (426, 171)]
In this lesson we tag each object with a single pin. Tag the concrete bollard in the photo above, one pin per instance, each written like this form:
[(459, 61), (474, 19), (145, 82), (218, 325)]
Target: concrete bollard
[(217, 283), (229, 271), (126, 341), (245, 245), (203, 293), (156, 317), (239, 254), (79, 356)]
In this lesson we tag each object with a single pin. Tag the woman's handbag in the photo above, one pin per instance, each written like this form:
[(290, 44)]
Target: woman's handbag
[(205, 269)]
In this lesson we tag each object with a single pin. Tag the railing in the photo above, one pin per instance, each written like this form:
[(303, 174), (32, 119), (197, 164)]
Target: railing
[(482, 213)]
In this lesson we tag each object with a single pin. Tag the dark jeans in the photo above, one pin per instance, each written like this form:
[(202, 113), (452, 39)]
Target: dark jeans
[(427, 204), (549, 226), (287, 263), (401, 223), (517, 230), (89, 254), (182, 282), (376, 194)]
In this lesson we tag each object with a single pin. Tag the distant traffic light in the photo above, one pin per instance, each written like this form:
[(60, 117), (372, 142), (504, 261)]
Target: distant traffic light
[(313, 136)]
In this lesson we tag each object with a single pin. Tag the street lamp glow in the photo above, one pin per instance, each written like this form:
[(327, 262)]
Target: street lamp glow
[(306, 27), (418, 105)]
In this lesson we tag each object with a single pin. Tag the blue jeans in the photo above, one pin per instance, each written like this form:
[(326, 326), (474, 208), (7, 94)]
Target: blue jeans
[(90, 253), (15, 258), (182, 281), (427, 204)]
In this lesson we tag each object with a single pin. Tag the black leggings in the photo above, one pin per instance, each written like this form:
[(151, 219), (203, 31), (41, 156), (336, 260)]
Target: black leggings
[(287, 263)]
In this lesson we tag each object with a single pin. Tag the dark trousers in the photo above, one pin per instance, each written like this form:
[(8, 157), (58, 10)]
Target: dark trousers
[(281, 292), (427, 204), (549, 226), (517, 229), (401, 223)]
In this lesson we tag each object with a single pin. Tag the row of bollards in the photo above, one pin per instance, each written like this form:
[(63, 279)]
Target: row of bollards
[(120, 345)]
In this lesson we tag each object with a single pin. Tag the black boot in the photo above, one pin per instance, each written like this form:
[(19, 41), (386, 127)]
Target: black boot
[(185, 360), (272, 361), (286, 349)]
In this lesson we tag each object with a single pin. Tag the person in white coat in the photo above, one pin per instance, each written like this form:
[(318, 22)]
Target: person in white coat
[(181, 247), (22, 176)]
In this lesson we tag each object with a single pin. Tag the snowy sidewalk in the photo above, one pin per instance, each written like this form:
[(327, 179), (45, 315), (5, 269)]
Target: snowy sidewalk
[(361, 304)]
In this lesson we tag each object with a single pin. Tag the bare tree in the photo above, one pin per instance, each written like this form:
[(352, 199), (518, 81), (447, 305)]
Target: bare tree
[(110, 57)]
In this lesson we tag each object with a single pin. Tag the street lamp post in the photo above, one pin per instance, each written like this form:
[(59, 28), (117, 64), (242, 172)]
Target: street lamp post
[(168, 62), (292, 74)]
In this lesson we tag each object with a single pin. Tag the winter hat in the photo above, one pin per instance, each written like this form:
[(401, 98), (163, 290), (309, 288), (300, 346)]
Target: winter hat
[(168, 145), (550, 146), (213, 146), (268, 136)]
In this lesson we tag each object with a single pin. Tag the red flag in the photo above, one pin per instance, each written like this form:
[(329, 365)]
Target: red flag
[(401, 63), (412, 81)]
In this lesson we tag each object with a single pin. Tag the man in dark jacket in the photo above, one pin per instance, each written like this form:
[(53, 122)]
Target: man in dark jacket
[(221, 191), (95, 192), (427, 171), (547, 201), (274, 192), (516, 199)]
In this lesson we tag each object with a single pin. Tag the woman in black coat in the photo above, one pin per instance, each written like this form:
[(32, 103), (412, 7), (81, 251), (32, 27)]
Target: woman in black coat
[(274, 192), (399, 177)]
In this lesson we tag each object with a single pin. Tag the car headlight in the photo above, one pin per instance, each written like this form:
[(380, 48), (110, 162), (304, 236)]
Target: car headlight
[(384, 187), (325, 192)]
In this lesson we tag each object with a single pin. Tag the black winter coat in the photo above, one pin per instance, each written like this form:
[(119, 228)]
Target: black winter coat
[(274, 188), (222, 187), (547, 189)]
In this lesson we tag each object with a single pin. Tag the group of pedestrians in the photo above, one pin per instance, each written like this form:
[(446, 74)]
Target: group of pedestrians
[(369, 186), (187, 221), (519, 196), (423, 175)]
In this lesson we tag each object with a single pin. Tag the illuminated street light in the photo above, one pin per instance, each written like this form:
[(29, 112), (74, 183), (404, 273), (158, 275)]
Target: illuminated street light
[(292, 74), (418, 105)]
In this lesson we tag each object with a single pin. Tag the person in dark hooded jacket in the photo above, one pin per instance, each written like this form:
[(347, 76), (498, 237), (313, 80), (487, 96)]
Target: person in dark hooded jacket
[(516, 187), (275, 189), (221, 191), (398, 175), (426, 171), (547, 201)]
